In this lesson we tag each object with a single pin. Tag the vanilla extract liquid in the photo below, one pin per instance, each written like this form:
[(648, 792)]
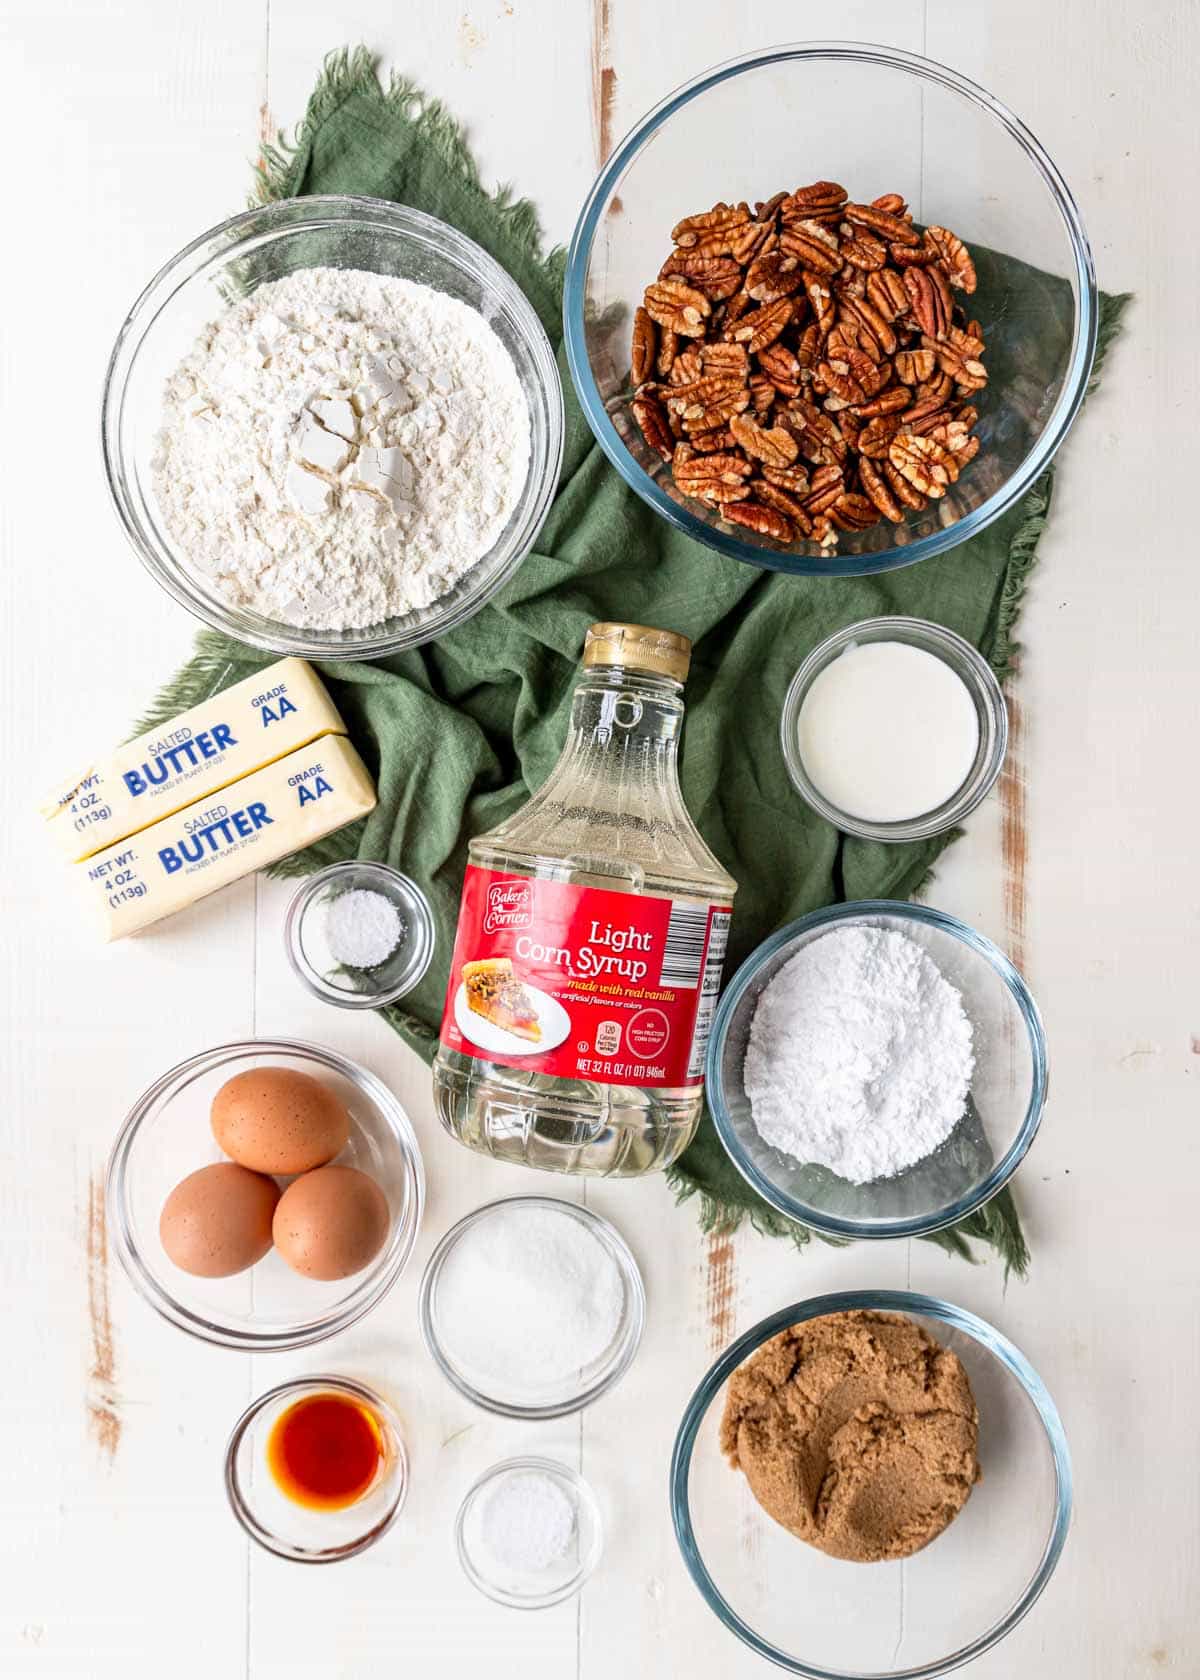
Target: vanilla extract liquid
[(590, 941)]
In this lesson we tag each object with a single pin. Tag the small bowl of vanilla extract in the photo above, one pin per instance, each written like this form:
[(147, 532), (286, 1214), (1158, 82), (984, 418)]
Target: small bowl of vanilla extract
[(316, 1470)]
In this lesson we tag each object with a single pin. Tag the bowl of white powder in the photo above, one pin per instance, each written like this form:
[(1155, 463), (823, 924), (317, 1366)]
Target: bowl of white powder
[(877, 1069), (532, 1307), (332, 426)]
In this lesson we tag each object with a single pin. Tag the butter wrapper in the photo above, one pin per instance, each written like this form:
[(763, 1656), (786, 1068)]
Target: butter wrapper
[(256, 821), (201, 751)]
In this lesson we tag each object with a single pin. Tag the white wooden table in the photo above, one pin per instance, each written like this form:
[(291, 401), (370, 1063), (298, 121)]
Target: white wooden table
[(126, 129)]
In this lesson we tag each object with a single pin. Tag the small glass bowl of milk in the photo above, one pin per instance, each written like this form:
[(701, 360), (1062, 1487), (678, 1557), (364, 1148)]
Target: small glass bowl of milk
[(894, 729)]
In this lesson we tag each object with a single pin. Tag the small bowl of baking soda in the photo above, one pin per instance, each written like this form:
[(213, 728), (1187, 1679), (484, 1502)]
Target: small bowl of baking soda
[(529, 1533), (359, 934), (877, 1069)]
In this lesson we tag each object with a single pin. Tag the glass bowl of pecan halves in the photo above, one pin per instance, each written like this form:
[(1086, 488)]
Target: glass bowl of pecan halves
[(830, 309)]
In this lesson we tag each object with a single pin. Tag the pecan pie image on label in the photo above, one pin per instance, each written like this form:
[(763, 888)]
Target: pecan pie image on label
[(494, 992)]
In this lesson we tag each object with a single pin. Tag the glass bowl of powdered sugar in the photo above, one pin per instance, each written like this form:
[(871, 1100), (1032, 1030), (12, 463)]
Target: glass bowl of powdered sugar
[(359, 934), (877, 1069), (332, 426)]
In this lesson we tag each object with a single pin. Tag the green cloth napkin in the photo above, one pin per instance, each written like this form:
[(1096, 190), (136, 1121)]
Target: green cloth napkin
[(461, 732)]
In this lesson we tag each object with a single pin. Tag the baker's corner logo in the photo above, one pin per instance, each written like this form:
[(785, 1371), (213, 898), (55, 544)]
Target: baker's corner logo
[(509, 905)]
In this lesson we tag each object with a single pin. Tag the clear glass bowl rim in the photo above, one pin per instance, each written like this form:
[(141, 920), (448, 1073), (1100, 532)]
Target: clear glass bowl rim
[(1075, 379), (868, 1300), (879, 1230), (177, 271), (973, 791), (631, 1335), (315, 1384), (417, 904), (584, 1495), (194, 1323)]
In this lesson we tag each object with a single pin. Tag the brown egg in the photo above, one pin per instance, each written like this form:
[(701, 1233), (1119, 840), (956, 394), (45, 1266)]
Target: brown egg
[(331, 1223), (218, 1220), (278, 1120)]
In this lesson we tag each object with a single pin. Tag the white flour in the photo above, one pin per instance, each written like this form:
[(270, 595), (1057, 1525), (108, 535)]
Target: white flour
[(860, 1055), (341, 447)]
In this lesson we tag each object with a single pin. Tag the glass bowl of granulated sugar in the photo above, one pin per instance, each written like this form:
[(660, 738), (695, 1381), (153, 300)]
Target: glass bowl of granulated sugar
[(877, 1069), (332, 426)]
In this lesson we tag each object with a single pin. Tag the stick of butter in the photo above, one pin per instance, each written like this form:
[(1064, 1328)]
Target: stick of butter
[(259, 819), (230, 735)]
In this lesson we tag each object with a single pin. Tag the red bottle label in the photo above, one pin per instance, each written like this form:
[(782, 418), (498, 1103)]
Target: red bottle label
[(612, 987)]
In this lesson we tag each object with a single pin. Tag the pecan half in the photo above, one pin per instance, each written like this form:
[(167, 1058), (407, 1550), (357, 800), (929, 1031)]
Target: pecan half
[(765, 209), (818, 199), (675, 304), (808, 348), (704, 417), (794, 480), (826, 487), (652, 423), (756, 516), (819, 439), (923, 463), (878, 489), (853, 512), (902, 489), (751, 241), (769, 494), (912, 256), (668, 350), (958, 357), (863, 315), (710, 387), (929, 299), (861, 248), (853, 377), (891, 203), (687, 367), (762, 393), (776, 447), (886, 293), (772, 277), (713, 478), (813, 246), (875, 437), (820, 300), (953, 256), (762, 326), (645, 346), (913, 366), (781, 368), (892, 401), (712, 443), (717, 277), (893, 228), (721, 218), (730, 360), (850, 426)]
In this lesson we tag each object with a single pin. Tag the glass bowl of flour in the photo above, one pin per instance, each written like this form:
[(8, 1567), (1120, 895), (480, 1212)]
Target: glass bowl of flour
[(877, 1069), (332, 427)]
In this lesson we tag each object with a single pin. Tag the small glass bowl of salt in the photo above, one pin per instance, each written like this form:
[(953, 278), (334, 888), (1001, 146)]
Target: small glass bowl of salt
[(529, 1533), (359, 934)]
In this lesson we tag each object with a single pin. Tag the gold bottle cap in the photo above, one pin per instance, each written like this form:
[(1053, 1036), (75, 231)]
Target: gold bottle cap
[(638, 647)]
